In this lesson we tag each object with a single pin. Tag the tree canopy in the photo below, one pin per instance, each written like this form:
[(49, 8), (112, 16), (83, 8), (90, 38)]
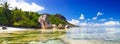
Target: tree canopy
[(19, 18)]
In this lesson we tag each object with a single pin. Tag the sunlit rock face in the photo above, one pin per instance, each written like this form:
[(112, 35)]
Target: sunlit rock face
[(60, 26), (44, 22), (54, 26)]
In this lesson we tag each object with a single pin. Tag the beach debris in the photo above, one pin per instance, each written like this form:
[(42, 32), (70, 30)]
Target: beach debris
[(4, 28)]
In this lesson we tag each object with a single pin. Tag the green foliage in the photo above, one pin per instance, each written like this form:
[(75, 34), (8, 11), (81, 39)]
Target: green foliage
[(20, 18), (25, 19), (5, 14), (55, 20), (17, 17)]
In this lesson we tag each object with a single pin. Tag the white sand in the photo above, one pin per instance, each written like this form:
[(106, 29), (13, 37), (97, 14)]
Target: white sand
[(10, 29)]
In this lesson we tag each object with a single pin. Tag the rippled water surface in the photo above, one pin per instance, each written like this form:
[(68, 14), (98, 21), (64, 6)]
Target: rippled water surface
[(75, 35), (95, 35), (89, 35)]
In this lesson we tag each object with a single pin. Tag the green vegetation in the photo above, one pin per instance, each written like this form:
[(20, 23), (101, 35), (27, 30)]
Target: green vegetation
[(27, 36), (55, 20), (19, 18)]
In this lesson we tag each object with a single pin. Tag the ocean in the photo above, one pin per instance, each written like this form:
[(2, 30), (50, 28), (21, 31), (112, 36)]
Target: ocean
[(94, 35)]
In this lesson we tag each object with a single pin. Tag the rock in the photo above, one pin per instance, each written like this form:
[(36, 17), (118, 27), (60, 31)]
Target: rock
[(60, 26), (44, 22), (66, 26), (54, 26), (4, 28)]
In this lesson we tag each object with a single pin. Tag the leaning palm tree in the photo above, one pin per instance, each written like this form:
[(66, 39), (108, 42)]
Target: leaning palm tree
[(5, 5)]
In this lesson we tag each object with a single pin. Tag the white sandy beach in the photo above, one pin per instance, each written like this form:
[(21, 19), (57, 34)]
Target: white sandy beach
[(10, 29)]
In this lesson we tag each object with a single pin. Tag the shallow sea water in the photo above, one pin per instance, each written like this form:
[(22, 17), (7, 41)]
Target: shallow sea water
[(90, 35), (86, 35)]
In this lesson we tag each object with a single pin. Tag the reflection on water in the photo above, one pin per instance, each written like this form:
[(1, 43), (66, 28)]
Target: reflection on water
[(106, 34), (48, 42), (87, 35), (31, 35)]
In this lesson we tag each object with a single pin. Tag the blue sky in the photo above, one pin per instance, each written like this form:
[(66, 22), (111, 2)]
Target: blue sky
[(75, 11), (72, 9)]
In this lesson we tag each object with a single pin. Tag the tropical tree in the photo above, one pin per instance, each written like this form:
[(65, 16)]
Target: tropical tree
[(6, 13)]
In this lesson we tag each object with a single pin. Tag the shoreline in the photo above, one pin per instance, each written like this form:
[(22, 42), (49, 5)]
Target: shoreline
[(13, 29)]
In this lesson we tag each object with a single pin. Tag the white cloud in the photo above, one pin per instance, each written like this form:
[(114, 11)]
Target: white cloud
[(95, 24), (83, 24), (25, 6), (111, 23), (94, 18), (99, 14), (108, 23), (75, 22), (102, 20), (82, 17)]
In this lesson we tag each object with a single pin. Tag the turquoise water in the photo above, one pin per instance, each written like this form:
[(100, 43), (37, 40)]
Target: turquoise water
[(89, 35), (107, 34), (102, 33), (48, 42)]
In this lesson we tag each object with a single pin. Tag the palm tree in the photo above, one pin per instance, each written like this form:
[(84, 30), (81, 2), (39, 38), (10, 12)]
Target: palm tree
[(6, 11)]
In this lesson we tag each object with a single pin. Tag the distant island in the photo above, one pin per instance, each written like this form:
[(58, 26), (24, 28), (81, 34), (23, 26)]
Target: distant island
[(18, 18)]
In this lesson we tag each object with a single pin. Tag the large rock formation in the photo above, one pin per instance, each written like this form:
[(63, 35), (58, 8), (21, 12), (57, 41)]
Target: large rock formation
[(44, 22)]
